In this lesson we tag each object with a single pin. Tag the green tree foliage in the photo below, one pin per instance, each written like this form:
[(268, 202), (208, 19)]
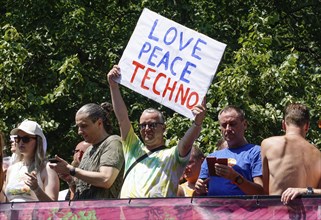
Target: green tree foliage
[(54, 56)]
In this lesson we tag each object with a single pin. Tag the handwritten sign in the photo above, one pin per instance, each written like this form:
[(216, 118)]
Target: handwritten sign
[(169, 63)]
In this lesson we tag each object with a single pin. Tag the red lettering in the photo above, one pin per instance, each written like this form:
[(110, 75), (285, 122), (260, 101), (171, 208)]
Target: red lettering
[(138, 66), (183, 96), (171, 89), (180, 92), (190, 106), (155, 83), (146, 77)]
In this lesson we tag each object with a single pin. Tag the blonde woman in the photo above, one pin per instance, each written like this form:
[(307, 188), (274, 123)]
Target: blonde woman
[(31, 179)]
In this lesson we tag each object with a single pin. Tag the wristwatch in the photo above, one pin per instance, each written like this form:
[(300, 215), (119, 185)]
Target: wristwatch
[(72, 172), (238, 180), (309, 191)]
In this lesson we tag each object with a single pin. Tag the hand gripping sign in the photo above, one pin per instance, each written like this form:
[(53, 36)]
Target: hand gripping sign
[(169, 63)]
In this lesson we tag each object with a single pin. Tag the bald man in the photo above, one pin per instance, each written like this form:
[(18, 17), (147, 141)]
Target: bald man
[(79, 152)]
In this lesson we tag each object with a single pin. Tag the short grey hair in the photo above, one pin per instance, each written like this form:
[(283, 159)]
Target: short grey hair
[(153, 110)]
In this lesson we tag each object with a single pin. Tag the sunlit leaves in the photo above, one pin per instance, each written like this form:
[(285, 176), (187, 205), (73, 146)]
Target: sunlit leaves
[(54, 56)]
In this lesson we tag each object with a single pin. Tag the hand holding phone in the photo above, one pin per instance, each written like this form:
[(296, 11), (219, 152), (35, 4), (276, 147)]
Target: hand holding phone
[(211, 164)]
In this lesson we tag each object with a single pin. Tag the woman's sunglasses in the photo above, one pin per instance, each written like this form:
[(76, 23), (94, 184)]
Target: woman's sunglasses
[(24, 139)]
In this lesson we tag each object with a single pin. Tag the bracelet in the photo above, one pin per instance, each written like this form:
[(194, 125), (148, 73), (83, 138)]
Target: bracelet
[(309, 191), (72, 172), (238, 180)]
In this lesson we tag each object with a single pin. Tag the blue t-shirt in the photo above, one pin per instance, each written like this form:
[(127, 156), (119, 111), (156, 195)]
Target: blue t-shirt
[(248, 164)]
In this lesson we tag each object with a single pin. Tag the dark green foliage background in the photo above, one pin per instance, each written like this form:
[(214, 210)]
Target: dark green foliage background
[(54, 56)]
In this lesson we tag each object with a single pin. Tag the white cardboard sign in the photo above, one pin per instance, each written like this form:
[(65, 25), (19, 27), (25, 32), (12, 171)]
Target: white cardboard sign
[(169, 63)]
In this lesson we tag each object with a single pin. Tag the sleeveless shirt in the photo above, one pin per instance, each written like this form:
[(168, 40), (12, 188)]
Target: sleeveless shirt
[(16, 190)]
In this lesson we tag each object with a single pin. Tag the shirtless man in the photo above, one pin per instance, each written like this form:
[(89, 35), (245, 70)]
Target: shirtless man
[(290, 161)]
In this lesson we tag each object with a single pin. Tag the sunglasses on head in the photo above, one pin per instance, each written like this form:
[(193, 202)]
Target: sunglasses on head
[(150, 125), (24, 139)]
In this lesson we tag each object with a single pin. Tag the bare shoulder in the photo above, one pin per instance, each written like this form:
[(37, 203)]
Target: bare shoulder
[(46, 170), (272, 141), (310, 148), (316, 151)]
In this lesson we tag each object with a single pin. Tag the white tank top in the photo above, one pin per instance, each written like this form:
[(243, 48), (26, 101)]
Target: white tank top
[(16, 190)]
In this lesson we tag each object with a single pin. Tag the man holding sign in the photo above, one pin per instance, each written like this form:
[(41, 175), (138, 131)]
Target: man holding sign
[(174, 66), (151, 170), (169, 63)]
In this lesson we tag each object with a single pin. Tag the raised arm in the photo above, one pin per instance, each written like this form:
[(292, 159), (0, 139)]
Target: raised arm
[(186, 143), (119, 106)]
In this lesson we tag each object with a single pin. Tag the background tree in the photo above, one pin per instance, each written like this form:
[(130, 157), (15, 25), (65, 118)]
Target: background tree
[(54, 56)]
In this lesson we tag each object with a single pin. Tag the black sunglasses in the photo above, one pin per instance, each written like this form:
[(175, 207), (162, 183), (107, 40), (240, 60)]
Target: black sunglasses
[(24, 139), (150, 125)]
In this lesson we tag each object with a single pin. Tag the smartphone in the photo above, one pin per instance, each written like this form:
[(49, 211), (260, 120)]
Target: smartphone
[(211, 164), (53, 160), (222, 161)]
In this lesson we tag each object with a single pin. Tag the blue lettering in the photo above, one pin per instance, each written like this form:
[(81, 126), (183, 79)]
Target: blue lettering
[(164, 60), (173, 38), (197, 48), (144, 50), (187, 71), (150, 62), (172, 64), (150, 36), (181, 46)]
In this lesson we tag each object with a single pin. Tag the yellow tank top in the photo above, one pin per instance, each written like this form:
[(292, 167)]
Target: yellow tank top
[(187, 191)]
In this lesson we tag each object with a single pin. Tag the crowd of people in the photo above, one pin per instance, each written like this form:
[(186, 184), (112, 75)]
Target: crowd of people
[(108, 166)]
